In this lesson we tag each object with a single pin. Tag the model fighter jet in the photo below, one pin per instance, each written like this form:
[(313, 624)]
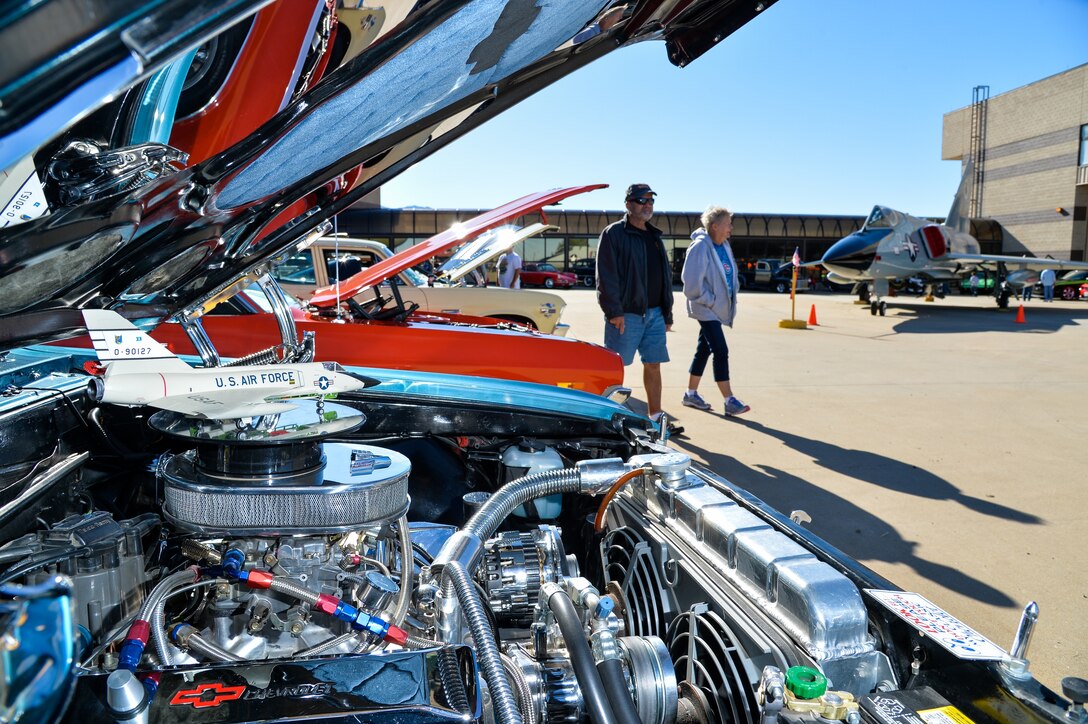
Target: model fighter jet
[(141, 371), (892, 247)]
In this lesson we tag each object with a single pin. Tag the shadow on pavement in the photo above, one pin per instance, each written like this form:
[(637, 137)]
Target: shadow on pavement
[(941, 317), (888, 473), (842, 522)]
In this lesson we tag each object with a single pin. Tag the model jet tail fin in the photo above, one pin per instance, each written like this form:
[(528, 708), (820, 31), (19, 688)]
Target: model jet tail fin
[(124, 347)]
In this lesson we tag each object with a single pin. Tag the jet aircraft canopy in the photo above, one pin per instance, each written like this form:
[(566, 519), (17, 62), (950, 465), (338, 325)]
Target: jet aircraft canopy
[(881, 217)]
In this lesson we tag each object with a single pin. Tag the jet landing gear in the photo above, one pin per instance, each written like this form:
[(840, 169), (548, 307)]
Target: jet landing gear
[(880, 308), (1003, 294)]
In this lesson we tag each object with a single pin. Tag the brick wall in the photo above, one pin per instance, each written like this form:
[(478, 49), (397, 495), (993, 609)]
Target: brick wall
[(1032, 143)]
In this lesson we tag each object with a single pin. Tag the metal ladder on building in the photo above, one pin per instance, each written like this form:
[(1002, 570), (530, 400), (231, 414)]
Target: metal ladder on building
[(980, 98)]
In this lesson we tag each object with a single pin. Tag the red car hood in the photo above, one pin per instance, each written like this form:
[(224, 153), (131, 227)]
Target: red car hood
[(372, 276)]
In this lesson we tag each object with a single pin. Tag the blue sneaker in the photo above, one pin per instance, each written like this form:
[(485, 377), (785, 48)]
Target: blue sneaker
[(733, 406), (694, 399)]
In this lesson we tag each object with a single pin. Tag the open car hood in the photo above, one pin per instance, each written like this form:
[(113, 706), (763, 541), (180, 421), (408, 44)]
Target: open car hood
[(485, 248), (189, 238), (439, 243)]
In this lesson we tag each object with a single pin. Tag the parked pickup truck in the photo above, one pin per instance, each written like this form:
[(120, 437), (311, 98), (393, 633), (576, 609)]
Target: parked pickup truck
[(772, 274), (316, 265)]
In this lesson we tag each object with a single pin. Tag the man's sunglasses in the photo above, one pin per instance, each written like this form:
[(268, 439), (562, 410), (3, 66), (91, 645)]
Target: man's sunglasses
[(643, 201)]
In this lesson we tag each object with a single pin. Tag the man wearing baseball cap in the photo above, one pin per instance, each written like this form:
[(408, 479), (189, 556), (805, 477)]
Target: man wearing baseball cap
[(634, 289)]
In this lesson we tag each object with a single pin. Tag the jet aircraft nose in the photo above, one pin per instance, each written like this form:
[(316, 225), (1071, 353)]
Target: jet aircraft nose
[(852, 255)]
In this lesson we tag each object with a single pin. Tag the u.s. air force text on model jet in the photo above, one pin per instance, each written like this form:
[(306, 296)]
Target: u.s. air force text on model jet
[(141, 371), (892, 247), (264, 378)]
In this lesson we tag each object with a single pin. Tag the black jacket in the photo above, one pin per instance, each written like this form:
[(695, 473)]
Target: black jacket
[(622, 270)]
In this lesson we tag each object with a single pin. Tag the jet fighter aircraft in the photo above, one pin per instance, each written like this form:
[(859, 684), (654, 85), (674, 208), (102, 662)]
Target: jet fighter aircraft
[(892, 247), (141, 371)]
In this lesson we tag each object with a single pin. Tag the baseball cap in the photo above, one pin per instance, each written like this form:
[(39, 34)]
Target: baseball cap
[(634, 191)]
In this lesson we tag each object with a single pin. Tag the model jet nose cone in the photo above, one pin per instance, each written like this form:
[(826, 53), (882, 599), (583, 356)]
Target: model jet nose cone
[(362, 381)]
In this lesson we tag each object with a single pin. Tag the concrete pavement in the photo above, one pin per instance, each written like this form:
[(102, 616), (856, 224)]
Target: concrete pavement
[(941, 445)]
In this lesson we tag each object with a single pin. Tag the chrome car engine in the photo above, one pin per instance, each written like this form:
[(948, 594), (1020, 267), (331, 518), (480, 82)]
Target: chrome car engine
[(432, 577)]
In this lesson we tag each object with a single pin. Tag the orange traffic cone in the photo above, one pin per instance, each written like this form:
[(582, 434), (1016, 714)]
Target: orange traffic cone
[(1020, 315), (812, 317)]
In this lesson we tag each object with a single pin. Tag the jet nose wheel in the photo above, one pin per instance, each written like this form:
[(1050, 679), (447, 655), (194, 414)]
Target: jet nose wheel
[(876, 308), (883, 308)]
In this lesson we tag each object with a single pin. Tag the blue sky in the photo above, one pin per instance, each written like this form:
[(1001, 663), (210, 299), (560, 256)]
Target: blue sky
[(816, 107)]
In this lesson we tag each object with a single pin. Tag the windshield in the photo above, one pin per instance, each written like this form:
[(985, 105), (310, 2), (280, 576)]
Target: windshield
[(418, 280), (256, 295)]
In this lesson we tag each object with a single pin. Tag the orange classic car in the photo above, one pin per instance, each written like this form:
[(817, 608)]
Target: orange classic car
[(428, 342)]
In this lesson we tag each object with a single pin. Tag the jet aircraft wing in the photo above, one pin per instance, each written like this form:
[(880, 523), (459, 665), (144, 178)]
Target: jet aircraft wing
[(1032, 263), (374, 275)]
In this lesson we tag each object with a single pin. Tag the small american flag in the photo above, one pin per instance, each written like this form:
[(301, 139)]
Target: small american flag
[(796, 256)]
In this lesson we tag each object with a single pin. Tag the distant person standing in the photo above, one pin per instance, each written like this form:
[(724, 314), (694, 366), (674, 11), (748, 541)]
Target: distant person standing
[(1046, 278), (1029, 290), (973, 283), (711, 283), (634, 289), (510, 270)]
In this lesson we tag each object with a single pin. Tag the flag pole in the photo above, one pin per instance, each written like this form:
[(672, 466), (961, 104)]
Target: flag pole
[(793, 295), (792, 322)]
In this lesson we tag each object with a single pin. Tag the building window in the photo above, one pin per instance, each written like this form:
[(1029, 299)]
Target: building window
[(1084, 145)]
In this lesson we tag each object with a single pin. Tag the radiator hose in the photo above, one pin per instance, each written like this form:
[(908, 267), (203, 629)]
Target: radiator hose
[(594, 695), (615, 684), (458, 558)]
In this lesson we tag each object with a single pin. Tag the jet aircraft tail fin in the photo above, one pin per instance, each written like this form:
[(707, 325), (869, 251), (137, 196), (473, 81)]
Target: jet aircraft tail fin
[(957, 215), (125, 347)]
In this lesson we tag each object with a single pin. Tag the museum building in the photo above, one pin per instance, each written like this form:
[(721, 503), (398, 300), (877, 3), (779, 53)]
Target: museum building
[(1030, 170), (755, 236)]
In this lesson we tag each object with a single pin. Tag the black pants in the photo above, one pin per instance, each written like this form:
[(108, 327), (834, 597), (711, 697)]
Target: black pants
[(711, 341)]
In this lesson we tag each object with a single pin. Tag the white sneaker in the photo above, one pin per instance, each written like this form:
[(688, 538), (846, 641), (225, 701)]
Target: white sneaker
[(694, 399)]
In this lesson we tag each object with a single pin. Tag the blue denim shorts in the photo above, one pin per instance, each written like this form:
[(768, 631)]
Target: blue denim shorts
[(646, 333)]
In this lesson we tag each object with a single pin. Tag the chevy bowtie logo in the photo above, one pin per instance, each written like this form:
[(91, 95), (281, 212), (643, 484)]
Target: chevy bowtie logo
[(206, 695)]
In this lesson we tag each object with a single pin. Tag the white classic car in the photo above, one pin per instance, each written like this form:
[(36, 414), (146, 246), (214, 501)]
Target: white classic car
[(316, 267)]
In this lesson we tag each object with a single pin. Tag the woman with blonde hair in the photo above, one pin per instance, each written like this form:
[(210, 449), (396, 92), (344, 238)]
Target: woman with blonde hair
[(711, 281)]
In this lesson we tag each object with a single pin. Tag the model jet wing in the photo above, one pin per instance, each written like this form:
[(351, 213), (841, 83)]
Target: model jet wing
[(225, 405)]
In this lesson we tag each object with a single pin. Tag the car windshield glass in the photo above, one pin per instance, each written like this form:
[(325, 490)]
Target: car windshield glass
[(256, 295), (298, 269), (417, 279)]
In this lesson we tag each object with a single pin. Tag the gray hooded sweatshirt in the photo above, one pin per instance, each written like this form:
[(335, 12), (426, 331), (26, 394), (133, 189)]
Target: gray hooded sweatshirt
[(708, 294)]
